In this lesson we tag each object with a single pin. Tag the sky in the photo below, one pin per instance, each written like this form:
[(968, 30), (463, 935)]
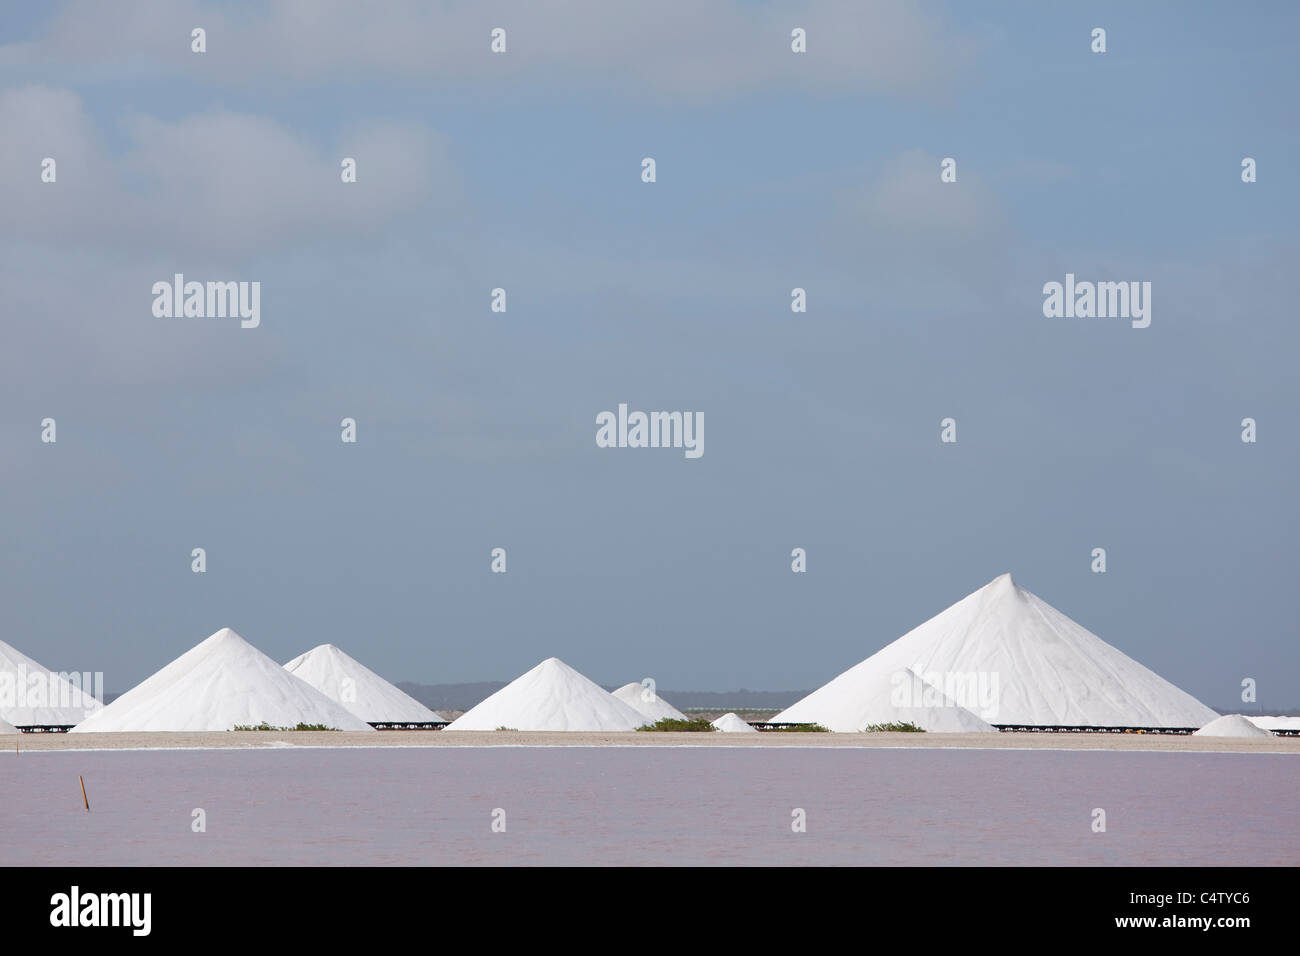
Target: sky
[(476, 429)]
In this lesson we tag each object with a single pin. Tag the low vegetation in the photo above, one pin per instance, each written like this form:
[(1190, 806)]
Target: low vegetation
[(799, 729), (265, 726), (673, 724), (896, 727)]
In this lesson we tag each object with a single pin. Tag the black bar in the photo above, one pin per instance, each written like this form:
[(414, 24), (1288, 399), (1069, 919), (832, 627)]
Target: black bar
[(944, 905)]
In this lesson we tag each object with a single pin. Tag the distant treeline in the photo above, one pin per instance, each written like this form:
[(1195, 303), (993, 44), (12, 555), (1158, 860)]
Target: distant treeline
[(451, 696), (465, 696)]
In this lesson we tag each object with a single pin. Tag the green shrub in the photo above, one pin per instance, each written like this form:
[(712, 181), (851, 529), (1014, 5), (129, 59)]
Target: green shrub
[(896, 727), (265, 726), (673, 724), (799, 729)]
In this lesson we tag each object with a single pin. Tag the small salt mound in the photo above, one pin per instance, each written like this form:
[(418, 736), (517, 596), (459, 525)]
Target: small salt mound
[(47, 699), (7, 728), (654, 709), (349, 682), (1231, 725), (551, 696), (218, 683), (1275, 723), (731, 724), (862, 697)]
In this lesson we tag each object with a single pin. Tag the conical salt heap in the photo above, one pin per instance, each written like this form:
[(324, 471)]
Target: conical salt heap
[(654, 708), (551, 696), (217, 684), (1232, 725), (1047, 670), (732, 723), (32, 694), (347, 681), (864, 697)]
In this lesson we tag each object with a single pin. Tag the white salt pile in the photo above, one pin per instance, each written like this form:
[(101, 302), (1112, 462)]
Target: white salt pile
[(31, 694), (215, 685), (551, 696), (1231, 725), (731, 724), (647, 703), (1036, 666), (1275, 723), (863, 697), (346, 680), (7, 728)]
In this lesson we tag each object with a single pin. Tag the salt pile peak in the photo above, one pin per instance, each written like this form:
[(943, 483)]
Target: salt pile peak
[(654, 709), (863, 697), (32, 694), (730, 723), (346, 680), (1048, 669), (218, 683), (1231, 725), (551, 696)]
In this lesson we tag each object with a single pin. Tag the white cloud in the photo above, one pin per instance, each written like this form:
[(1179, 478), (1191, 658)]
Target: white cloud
[(220, 182), (907, 240), (243, 180), (907, 197), (677, 49), (40, 122)]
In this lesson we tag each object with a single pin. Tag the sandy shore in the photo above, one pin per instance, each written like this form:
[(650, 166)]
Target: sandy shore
[(433, 738)]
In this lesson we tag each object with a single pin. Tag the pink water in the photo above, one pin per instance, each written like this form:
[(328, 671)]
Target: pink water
[(642, 805)]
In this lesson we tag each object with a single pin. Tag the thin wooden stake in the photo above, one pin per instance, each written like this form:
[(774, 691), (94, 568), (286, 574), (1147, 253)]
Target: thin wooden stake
[(83, 793)]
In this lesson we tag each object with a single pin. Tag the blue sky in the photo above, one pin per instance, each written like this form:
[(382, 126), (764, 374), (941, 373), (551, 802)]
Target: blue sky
[(476, 430)]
